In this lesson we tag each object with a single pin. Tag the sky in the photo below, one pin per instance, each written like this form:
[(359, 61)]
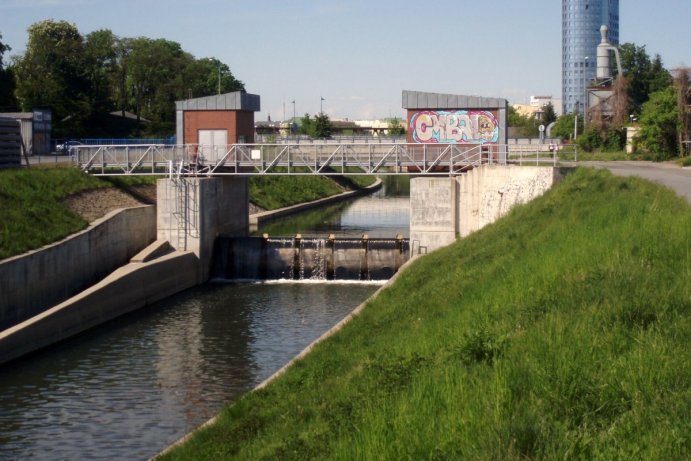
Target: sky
[(358, 55)]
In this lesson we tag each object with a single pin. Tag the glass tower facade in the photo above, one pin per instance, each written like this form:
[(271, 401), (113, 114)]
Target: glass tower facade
[(580, 35)]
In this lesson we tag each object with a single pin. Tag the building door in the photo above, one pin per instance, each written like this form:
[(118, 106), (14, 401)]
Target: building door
[(212, 144)]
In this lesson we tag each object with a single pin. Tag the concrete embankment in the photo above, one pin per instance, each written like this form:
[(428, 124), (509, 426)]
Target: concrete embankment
[(37, 280), (42, 303), (257, 219), (155, 273)]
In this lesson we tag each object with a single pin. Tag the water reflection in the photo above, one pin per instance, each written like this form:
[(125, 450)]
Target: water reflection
[(380, 215), (126, 390)]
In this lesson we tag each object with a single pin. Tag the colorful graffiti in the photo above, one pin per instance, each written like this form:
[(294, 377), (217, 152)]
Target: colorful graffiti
[(458, 127)]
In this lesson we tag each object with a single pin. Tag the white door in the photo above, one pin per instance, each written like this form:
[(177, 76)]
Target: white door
[(212, 144)]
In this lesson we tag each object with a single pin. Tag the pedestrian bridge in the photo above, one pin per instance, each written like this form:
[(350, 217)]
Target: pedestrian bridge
[(301, 159)]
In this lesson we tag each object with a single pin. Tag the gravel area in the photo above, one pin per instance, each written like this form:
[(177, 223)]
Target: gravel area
[(94, 204)]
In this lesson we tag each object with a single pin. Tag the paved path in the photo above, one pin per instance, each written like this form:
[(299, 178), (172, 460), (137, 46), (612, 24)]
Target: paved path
[(667, 174)]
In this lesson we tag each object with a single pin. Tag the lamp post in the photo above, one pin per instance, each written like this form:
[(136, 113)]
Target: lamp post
[(292, 123), (321, 105), (218, 63), (219, 78), (585, 93)]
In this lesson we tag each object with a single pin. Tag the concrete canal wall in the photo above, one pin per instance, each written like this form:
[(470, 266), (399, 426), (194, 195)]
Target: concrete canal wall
[(154, 274), (37, 280), (443, 209)]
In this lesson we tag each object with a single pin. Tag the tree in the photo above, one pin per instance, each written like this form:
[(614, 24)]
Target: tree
[(323, 128), (306, 125), (548, 114), (643, 75), (154, 70), (683, 100), (51, 74), (563, 128), (7, 82), (202, 78), (526, 125), (660, 124), (396, 128)]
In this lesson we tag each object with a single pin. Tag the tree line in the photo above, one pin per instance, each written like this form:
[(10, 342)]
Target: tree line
[(82, 79), (646, 94)]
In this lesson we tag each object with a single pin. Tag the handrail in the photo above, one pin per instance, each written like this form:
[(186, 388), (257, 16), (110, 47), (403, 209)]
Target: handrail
[(306, 159)]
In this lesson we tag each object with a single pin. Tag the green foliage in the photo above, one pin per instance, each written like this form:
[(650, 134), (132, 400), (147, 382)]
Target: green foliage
[(548, 114), (396, 128), (559, 332), (609, 140), (323, 128), (8, 101), (272, 192), (3, 49), (306, 125), (51, 74), (30, 211), (527, 126), (644, 76), (659, 125), (589, 140), (319, 127), (83, 79), (563, 128)]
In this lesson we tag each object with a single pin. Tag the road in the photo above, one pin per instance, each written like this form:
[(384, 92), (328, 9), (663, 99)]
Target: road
[(667, 174)]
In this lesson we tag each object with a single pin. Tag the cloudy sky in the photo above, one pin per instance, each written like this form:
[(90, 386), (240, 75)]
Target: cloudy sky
[(360, 54)]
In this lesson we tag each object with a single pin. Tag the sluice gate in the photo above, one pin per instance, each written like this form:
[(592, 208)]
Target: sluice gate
[(309, 258)]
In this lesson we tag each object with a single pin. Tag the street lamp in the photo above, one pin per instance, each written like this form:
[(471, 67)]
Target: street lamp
[(585, 93), (219, 71), (293, 125), (219, 78)]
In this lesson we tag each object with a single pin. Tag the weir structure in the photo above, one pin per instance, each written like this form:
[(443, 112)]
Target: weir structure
[(464, 177), (464, 172)]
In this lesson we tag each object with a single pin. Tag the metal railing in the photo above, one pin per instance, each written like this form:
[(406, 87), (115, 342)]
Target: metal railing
[(304, 159)]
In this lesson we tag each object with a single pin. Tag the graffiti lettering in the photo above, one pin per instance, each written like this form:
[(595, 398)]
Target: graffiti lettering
[(459, 127)]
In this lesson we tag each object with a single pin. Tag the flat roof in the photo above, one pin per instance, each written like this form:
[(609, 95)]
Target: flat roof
[(425, 100), (237, 100)]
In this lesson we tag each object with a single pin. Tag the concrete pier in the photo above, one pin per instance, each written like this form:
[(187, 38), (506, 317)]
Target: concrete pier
[(192, 212), (442, 209)]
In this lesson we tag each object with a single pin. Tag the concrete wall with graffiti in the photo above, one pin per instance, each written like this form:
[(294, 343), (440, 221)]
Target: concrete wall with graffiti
[(453, 127)]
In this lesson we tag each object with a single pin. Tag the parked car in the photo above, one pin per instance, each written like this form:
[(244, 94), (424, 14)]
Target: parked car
[(67, 148)]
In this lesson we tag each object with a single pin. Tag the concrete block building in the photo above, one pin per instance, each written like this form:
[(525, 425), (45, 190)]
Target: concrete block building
[(217, 120), (436, 118)]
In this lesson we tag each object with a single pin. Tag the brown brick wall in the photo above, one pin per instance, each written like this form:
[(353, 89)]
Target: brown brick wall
[(238, 123)]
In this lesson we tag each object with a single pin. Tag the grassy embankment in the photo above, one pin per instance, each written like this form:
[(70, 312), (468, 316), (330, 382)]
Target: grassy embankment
[(31, 214), (559, 332)]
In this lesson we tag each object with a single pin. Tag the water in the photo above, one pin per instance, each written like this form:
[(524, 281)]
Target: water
[(381, 215), (130, 388), (127, 390)]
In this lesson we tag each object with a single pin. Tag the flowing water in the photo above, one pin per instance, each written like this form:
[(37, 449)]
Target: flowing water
[(128, 389)]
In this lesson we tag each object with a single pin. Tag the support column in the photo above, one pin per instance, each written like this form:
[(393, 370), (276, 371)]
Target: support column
[(192, 212), (433, 222)]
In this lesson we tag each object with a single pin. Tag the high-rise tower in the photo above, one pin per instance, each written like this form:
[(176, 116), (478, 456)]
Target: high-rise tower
[(580, 34)]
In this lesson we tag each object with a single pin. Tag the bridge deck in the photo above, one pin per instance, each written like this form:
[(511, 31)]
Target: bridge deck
[(293, 159)]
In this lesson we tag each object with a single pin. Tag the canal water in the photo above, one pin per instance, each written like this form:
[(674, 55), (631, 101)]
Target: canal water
[(128, 389)]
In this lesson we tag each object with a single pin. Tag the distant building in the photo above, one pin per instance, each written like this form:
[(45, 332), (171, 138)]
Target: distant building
[(536, 106), (581, 21), (36, 128)]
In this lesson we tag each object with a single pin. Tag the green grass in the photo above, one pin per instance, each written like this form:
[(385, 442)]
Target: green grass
[(30, 211), (31, 214), (560, 332), (272, 192), (603, 156)]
